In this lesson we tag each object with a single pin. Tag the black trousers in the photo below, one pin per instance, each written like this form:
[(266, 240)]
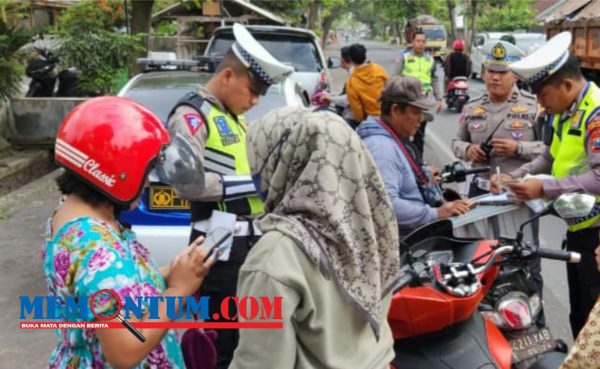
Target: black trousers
[(419, 137), (583, 278), (221, 282)]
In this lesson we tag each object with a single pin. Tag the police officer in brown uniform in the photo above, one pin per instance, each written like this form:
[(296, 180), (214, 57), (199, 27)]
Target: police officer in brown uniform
[(503, 119)]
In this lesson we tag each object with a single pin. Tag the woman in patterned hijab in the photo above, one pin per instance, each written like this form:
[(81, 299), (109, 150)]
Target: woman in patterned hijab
[(324, 197)]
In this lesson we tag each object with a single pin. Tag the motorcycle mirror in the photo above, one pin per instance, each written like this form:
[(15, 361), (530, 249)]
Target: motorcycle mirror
[(573, 205), (333, 62)]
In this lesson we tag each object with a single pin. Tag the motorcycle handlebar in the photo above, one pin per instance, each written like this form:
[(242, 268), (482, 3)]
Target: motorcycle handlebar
[(476, 170), (568, 256)]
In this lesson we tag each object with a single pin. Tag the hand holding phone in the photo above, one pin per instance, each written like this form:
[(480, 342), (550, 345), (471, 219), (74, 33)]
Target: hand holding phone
[(214, 239)]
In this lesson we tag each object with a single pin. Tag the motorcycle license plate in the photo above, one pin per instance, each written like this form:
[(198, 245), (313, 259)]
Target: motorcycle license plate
[(531, 344), (459, 92), (165, 198)]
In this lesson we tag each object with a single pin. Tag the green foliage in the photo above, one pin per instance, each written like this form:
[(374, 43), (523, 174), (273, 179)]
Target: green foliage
[(90, 43), (290, 10), (507, 15), (11, 70), (165, 28)]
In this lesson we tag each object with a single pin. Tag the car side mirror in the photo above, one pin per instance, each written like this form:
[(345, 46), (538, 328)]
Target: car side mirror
[(334, 62), (573, 205)]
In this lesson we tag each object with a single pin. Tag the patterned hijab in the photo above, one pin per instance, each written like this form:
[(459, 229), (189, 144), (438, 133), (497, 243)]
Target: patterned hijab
[(324, 192)]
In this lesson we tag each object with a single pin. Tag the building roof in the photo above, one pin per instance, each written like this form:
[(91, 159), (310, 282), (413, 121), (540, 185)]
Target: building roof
[(235, 11), (566, 11)]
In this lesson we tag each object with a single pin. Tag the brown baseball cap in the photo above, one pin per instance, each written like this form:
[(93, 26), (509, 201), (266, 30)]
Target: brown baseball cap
[(407, 90)]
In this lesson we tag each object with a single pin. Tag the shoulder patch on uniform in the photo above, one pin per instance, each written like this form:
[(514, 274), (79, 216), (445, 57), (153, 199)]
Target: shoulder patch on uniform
[(194, 122), (595, 142), (594, 123)]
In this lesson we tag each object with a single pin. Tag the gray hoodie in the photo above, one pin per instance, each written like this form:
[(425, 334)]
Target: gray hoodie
[(398, 177)]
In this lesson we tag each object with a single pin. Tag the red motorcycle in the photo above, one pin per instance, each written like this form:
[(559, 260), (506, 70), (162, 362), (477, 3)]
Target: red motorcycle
[(457, 94), (434, 313)]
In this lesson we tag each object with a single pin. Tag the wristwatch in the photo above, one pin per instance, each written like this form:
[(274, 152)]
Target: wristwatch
[(519, 150)]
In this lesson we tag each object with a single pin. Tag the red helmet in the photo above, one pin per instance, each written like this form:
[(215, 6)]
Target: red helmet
[(458, 45), (110, 143)]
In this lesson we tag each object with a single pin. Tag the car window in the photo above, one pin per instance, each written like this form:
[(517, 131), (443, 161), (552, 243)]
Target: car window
[(530, 44), (300, 52), (434, 33)]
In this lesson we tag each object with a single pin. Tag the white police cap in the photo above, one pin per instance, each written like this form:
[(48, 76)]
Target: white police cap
[(256, 58), (500, 54), (545, 61)]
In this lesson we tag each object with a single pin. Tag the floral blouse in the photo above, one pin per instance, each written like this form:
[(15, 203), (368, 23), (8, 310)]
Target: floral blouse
[(87, 255), (585, 353)]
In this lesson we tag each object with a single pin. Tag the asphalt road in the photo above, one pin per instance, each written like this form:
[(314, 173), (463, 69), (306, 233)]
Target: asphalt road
[(23, 214)]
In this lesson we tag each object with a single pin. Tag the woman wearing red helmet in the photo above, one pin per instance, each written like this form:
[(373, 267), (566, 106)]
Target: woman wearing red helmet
[(107, 146)]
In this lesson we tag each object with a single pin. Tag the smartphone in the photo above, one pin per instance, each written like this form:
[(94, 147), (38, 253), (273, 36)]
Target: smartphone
[(214, 239)]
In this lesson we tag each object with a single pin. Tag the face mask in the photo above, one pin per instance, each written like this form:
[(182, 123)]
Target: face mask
[(256, 177)]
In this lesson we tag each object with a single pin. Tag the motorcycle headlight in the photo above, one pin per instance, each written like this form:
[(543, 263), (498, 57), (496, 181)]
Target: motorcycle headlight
[(515, 310)]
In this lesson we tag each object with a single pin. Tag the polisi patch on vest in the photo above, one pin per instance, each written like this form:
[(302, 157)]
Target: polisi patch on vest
[(193, 121), (222, 126), (227, 135)]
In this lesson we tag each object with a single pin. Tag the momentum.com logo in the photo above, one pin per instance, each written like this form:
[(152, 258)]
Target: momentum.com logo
[(52, 312)]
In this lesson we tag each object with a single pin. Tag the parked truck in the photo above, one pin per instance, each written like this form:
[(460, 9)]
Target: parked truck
[(583, 21), (434, 30)]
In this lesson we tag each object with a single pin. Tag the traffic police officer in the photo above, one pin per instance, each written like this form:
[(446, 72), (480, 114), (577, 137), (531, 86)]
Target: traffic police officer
[(212, 119), (573, 157), (415, 62), (503, 117)]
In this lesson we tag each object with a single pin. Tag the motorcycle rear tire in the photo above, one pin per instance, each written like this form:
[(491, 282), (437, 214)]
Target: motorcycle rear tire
[(34, 89)]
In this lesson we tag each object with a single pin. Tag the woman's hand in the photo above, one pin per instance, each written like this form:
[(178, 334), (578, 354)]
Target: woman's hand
[(189, 267)]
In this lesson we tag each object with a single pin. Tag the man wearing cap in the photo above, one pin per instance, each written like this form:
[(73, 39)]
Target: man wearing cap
[(414, 62), (212, 119), (504, 116), (573, 158), (411, 187)]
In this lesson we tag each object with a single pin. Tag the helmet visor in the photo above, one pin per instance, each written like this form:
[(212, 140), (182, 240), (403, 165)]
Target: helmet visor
[(179, 166)]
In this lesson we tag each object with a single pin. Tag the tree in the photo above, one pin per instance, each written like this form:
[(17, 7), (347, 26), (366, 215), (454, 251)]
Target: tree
[(508, 15), (141, 13), (473, 16), (330, 12), (90, 43), (11, 70)]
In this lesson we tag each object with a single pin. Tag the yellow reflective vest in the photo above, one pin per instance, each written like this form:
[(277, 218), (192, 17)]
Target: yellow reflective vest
[(568, 149), (419, 67)]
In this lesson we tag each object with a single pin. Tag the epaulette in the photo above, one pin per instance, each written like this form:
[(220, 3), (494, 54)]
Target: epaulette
[(527, 94), (479, 99)]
